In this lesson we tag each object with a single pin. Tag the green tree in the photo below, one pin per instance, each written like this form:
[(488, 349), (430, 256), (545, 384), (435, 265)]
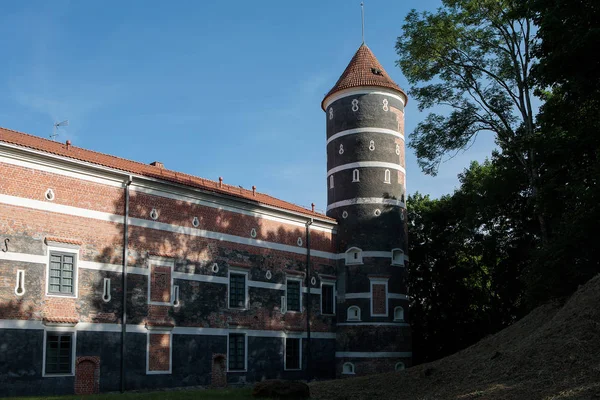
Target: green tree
[(472, 56)]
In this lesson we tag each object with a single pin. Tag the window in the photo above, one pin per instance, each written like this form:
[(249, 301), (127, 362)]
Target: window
[(59, 353), (237, 290), (330, 181), (61, 273), (161, 282), (159, 351), (356, 176), (353, 313), (293, 353), (354, 256), (397, 257), (379, 289), (348, 369), (398, 314), (293, 295), (399, 366), (327, 298), (237, 352), (387, 176)]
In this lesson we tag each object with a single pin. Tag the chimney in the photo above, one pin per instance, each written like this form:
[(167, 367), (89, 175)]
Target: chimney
[(253, 190), (68, 144), (313, 206), (157, 164), (220, 181)]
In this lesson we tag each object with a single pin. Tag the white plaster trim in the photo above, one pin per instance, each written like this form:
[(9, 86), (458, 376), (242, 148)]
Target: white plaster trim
[(367, 295), (397, 324), (161, 332), (365, 130), (107, 217), (285, 368), (266, 285), (200, 278), (73, 349), (365, 200), (366, 164), (364, 90), (374, 354), (245, 352)]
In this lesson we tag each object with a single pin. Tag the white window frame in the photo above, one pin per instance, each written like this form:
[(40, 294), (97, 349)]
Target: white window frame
[(394, 252), (159, 331), (353, 370), (285, 368), (400, 363), (379, 281), (355, 175), (67, 329), (387, 177), (293, 278), (350, 259), (245, 351), (327, 282), (63, 248), (399, 308), (238, 271), (349, 318), (331, 181), (160, 262)]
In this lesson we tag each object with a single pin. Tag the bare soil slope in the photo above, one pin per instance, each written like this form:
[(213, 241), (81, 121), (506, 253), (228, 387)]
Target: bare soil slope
[(553, 353)]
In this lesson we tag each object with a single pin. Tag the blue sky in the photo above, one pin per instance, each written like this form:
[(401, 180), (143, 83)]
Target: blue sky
[(229, 89)]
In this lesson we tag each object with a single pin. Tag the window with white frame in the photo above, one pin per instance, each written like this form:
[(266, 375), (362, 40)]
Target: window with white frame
[(293, 353), (330, 181), (356, 176), (397, 257), (59, 353), (354, 256), (379, 297), (238, 289), (398, 314), (348, 369), (62, 272), (293, 294), (387, 177), (327, 298), (353, 313), (159, 351), (160, 285), (236, 352)]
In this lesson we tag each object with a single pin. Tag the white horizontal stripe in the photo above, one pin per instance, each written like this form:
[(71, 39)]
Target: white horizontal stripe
[(365, 130), (398, 324), (182, 330), (365, 200), (374, 254), (373, 354), (23, 257), (363, 90), (107, 217), (366, 164), (266, 285), (367, 295), (200, 278)]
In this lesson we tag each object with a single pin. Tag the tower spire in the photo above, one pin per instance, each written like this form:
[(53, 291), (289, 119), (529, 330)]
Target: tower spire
[(362, 15)]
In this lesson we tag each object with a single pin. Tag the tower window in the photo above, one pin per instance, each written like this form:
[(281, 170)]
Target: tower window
[(397, 257), (356, 176), (353, 313), (348, 369), (330, 181), (376, 71), (399, 366), (398, 314), (387, 176), (354, 256)]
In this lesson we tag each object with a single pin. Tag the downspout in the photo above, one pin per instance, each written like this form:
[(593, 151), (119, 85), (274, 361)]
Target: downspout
[(308, 354), (125, 255)]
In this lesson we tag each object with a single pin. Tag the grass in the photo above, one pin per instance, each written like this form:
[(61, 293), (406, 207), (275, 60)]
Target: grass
[(218, 394)]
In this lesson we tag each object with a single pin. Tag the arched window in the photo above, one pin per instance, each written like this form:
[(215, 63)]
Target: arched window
[(397, 257), (354, 256), (399, 366), (398, 314), (353, 313), (348, 369), (356, 176), (330, 181), (387, 177)]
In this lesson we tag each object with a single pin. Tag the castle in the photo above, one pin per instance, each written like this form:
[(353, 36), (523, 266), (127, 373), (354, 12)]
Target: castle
[(120, 275)]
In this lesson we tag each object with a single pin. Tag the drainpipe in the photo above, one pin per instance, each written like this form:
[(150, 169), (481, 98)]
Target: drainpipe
[(125, 255), (308, 355)]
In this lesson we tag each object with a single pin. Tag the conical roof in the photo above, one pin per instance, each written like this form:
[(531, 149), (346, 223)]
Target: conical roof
[(363, 70)]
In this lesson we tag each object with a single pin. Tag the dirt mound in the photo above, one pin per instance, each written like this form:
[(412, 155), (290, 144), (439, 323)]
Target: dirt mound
[(553, 353)]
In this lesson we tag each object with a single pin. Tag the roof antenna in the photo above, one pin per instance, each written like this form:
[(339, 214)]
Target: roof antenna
[(56, 126), (362, 13)]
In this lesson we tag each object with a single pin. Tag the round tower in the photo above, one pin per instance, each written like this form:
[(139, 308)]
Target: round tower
[(366, 185)]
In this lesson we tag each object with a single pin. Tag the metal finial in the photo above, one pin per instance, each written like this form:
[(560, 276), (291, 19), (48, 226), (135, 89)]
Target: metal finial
[(362, 12)]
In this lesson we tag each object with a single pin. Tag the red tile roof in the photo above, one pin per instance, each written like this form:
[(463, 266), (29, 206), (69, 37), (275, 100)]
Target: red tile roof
[(137, 168), (63, 240), (61, 320), (363, 70)]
